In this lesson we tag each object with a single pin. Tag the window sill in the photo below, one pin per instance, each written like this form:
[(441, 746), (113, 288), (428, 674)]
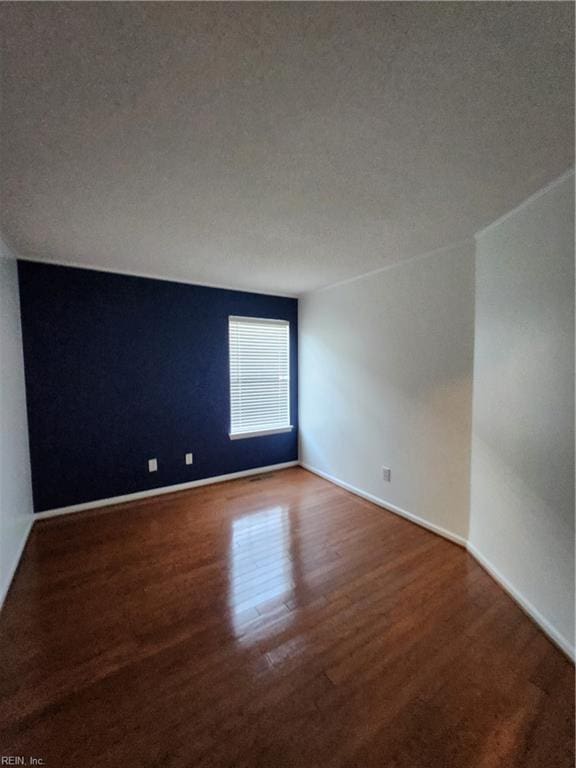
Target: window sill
[(259, 433)]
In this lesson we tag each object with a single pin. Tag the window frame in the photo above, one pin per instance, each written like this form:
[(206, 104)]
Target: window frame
[(272, 430)]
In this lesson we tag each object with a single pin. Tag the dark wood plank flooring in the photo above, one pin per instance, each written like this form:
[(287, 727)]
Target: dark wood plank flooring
[(275, 622)]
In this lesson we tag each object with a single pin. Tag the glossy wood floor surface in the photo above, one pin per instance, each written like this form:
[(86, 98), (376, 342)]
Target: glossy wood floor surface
[(275, 622)]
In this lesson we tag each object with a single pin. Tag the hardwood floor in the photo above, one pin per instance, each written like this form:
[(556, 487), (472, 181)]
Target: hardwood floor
[(274, 622)]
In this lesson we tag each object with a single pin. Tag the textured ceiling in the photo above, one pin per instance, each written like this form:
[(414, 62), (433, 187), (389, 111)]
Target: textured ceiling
[(275, 146)]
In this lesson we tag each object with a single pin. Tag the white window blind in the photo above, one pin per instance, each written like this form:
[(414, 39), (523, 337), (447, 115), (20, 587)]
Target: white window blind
[(259, 376)]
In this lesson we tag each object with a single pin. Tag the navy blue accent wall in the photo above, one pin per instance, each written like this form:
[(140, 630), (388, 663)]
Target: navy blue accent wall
[(120, 369)]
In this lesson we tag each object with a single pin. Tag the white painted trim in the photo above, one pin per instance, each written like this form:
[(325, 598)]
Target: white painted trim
[(525, 203), (258, 320), (161, 491), (453, 537), (550, 631), (399, 263), (559, 640), (260, 433), (147, 275), (16, 561), (451, 246), (525, 604)]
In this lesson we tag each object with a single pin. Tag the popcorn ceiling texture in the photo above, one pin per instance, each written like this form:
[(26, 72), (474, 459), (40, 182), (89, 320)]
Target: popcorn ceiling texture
[(278, 147)]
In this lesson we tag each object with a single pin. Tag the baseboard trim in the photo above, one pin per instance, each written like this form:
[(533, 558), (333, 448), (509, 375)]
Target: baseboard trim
[(558, 639), (517, 596), (525, 604), (5, 588), (160, 491), (446, 534)]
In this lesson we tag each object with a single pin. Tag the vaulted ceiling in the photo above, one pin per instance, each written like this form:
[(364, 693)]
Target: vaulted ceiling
[(275, 146)]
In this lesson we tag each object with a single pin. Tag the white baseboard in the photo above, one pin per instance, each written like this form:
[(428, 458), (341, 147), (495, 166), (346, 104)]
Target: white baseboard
[(453, 537), (160, 491), (550, 631), (525, 604), (4, 588), (517, 596)]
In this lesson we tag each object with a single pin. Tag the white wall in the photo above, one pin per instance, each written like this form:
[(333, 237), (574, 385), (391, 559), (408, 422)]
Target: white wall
[(522, 479), (386, 379), (15, 484)]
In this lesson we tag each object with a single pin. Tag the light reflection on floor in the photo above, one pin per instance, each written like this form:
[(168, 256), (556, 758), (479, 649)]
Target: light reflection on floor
[(261, 568)]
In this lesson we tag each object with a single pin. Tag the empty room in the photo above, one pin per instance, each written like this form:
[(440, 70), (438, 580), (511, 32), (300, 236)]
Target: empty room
[(287, 384)]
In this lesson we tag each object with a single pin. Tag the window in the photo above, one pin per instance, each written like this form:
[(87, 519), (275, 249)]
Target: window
[(259, 376)]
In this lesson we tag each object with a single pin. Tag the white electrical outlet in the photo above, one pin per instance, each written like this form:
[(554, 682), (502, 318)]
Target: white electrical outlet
[(152, 465), (188, 458), (386, 474)]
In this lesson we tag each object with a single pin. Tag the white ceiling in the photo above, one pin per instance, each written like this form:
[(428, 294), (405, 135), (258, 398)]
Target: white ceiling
[(275, 146)]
